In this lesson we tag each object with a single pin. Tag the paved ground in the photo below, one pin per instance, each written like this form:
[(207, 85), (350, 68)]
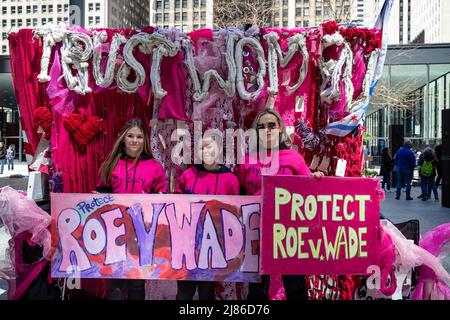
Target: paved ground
[(430, 213)]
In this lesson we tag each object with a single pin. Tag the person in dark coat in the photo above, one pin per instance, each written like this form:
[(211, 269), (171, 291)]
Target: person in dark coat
[(405, 160), (427, 171), (438, 152), (387, 165)]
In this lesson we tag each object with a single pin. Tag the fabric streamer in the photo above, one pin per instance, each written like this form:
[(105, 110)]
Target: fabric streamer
[(434, 283)]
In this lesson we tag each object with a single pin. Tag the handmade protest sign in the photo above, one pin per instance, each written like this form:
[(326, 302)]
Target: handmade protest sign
[(319, 227), (131, 236)]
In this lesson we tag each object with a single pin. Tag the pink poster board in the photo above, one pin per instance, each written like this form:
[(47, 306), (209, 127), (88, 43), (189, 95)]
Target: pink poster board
[(132, 236), (326, 226)]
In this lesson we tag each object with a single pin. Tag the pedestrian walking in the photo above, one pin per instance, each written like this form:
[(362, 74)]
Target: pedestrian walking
[(427, 171), (2, 156), (10, 155), (387, 165), (405, 162)]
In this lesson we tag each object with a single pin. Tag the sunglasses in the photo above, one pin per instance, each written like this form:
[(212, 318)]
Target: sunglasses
[(269, 125)]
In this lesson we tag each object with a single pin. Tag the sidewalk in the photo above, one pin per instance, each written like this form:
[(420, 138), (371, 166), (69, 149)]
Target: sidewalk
[(17, 178)]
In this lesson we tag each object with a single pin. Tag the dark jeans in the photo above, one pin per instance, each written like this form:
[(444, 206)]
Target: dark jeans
[(2, 165), (428, 184), (294, 285), (133, 289), (386, 181), (186, 290), (10, 164), (404, 178)]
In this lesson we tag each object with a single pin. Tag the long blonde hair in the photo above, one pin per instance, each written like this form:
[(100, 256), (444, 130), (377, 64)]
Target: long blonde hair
[(284, 137), (118, 149)]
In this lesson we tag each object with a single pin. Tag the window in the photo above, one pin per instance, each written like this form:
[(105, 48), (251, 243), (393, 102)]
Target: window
[(19, 22), (177, 16), (196, 16), (158, 4), (177, 4), (166, 4), (306, 24), (28, 9), (196, 2), (59, 8), (35, 22), (35, 9), (203, 15), (4, 9), (203, 3), (28, 22), (306, 12), (97, 7), (184, 3), (158, 17), (13, 23), (66, 7), (166, 17), (13, 10), (3, 49), (285, 13), (91, 7), (97, 20), (50, 8), (44, 21), (318, 11), (298, 12), (19, 10), (91, 20), (185, 16), (4, 23), (50, 20), (4, 36)]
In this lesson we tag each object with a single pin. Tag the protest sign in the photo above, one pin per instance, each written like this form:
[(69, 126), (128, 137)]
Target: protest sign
[(132, 236), (319, 227)]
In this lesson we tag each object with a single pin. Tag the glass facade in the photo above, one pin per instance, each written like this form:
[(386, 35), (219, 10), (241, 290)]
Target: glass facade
[(412, 95)]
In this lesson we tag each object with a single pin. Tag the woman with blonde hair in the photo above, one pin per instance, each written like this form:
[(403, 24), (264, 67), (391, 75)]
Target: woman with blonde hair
[(129, 168), (272, 156)]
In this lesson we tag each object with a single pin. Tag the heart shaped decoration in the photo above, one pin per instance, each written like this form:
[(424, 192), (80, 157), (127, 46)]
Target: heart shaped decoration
[(83, 128), (42, 117)]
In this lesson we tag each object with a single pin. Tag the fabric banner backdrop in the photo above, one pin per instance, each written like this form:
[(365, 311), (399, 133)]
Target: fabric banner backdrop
[(182, 237), (319, 227)]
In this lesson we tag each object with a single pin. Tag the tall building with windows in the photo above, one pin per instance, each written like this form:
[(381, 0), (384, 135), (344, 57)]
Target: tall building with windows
[(310, 13), (430, 21), (16, 14), (187, 15)]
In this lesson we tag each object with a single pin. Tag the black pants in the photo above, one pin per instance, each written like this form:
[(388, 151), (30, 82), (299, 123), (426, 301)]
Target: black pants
[(186, 290), (386, 181), (439, 178), (294, 285), (133, 289)]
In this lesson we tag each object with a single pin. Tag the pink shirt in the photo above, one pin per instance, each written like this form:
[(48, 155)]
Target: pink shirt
[(196, 180), (250, 175), (146, 176)]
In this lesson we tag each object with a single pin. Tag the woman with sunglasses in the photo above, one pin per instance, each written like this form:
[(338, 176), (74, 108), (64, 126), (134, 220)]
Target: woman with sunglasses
[(273, 156)]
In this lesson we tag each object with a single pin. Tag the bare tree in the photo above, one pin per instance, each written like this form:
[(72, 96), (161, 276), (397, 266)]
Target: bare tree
[(242, 12), (339, 10)]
